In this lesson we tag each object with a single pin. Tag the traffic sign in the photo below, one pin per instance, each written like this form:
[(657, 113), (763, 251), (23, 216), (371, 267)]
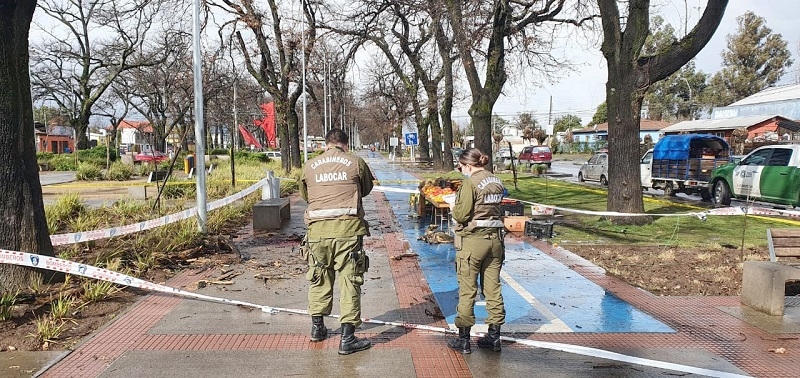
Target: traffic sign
[(411, 139)]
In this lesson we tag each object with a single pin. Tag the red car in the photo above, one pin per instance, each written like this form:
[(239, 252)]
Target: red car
[(536, 155), (150, 156)]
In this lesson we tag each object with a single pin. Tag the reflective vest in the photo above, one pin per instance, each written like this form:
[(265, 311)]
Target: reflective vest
[(488, 194), (333, 186)]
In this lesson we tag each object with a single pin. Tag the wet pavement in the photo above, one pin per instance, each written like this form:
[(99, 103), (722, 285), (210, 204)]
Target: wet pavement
[(552, 296)]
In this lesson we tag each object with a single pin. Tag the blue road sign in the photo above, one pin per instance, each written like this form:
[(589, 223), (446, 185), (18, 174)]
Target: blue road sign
[(411, 139)]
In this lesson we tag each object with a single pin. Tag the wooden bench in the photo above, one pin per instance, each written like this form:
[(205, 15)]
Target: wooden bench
[(764, 282)]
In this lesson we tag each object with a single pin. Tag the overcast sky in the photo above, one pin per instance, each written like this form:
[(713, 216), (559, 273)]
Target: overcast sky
[(581, 92)]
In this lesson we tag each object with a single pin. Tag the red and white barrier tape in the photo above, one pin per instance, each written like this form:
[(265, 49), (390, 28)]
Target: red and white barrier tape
[(733, 210), (85, 270), (77, 237)]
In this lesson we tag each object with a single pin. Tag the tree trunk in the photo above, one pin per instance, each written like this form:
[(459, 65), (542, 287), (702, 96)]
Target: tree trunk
[(630, 75), (624, 103), (24, 227), (436, 130), (481, 114), (294, 138), (283, 133)]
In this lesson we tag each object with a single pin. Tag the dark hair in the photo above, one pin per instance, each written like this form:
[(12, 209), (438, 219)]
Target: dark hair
[(473, 157), (336, 136)]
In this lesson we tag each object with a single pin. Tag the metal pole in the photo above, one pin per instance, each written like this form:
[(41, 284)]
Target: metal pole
[(325, 96), (235, 133), (199, 142), (305, 125)]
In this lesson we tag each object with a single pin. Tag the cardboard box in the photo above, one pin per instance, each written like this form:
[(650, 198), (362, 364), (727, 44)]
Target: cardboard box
[(542, 210), (515, 223)]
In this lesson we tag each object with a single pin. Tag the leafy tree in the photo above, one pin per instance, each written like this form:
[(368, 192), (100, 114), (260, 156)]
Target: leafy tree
[(630, 75), (525, 120), (498, 124), (527, 133), (540, 136), (756, 58), (600, 115), (676, 97), (566, 122)]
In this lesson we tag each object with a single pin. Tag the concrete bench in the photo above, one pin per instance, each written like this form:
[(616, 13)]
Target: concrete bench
[(764, 282), (268, 214)]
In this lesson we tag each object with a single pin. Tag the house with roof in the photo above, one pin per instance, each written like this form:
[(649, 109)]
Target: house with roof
[(596, 136), (54, 138), (760, 128), (783, 100)]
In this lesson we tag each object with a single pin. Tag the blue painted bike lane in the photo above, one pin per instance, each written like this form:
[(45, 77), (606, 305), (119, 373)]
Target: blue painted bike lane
[(540, 293)]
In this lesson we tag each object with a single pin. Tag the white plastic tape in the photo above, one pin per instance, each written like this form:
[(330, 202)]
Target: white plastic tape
[(77, 237), (394, 190), (85, 270)]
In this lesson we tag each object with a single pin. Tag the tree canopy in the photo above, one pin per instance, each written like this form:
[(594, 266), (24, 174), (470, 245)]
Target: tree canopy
[(755, 59)]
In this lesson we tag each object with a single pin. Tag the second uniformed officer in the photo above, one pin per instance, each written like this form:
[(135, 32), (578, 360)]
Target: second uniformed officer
[(333, 185), (479, 250)]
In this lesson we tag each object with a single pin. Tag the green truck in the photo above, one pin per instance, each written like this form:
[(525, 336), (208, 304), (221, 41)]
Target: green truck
[(767, 174)]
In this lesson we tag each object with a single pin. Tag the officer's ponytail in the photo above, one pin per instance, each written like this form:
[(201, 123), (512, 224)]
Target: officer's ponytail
[(473, 157)]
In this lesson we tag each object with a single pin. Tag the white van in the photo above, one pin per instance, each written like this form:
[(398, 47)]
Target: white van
[(273, 155)]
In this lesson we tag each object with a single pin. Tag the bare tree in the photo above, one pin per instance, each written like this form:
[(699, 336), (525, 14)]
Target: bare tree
[(629, 77), (95, 42), (24, 227), (505, 20), (271, 54)]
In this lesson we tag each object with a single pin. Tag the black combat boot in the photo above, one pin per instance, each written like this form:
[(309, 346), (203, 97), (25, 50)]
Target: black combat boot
[(491, 339), (461, 344), (318, 330), (350, 343)]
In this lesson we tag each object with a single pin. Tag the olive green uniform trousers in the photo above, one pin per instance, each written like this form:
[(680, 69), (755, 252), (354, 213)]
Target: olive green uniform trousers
[(326, 258), (480, 256)]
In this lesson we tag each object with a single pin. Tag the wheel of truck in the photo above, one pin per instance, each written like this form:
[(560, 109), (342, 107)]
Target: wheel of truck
[(706, 195), (722, 193), (603, 180), (669, 189), (580, 177)]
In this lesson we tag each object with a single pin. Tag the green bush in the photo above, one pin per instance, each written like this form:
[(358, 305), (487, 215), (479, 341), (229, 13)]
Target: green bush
[(43, 157), (250, 157), (176, 189), (538, 169), (119, 171), (63, 162), (219, 151), (88, 172), (98, 153)]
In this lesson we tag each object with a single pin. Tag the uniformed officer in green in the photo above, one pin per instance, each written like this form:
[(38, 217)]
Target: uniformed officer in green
[(479, 250), (333, 184)]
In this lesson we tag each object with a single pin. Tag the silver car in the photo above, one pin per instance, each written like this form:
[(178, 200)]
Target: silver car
[(596, 169)]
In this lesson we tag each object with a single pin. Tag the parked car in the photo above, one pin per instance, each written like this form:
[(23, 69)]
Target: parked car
[(504, 153), (457, 151), (531, 155), (768, 174), (155, 156), (596, 169), (273, 155)]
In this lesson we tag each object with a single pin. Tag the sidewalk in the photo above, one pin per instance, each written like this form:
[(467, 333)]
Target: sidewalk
[(165, 336)]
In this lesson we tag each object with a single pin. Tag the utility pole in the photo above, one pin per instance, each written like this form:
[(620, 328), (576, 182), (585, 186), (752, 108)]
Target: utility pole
[(305, 125)]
